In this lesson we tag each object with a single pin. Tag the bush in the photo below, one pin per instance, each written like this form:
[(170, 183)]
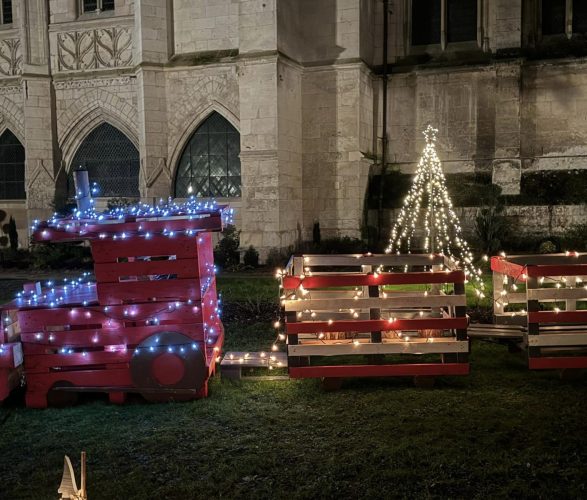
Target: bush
[(276, 258), (12, 234), (226, 252), (344, 244), (575, 238), (61, 256), (547, 247), (251, 257), (491, 225)]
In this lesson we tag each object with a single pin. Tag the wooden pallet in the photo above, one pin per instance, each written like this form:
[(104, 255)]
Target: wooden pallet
[(345, 305), (149, 324), (550, 288), (233, 362)]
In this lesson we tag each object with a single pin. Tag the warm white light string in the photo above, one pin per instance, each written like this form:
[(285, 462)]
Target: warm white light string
[(428, 204)]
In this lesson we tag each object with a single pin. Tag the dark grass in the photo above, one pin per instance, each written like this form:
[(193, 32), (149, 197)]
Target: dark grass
[(501, 432)]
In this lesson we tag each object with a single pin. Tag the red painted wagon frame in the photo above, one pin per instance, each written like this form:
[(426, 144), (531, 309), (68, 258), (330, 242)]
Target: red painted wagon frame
[(303, 274), (557, 332), (136, 296)]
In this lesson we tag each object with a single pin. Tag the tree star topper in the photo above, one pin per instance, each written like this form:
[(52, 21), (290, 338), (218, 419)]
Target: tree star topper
[(428, 205)]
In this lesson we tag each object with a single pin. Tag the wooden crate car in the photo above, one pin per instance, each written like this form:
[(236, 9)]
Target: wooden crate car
[(149, 323), (547, 296), (346, 307)]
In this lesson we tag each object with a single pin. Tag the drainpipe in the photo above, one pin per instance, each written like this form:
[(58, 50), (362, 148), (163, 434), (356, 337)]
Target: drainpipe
[(383, 169)]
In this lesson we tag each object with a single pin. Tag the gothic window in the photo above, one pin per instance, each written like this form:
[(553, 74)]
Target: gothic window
[(11, 167), (89, 6), (461, 20), (426, 22), (209, 165), (6, 11), (553, 17), (112, 162), (458, 17), (563, 17)]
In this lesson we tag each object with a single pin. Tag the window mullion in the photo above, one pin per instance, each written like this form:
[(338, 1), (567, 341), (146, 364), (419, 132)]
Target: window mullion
[(569, 18), (443, 23)]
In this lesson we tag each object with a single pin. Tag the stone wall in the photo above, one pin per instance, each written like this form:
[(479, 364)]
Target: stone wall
[(205, 25)]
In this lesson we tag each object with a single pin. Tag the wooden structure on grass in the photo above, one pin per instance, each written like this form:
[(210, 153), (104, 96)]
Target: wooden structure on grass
[(345, 316), (149, 324), (546, 295)]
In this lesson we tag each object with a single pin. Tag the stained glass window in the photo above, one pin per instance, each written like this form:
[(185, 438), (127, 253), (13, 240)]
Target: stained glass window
[(11, 167), (209, 165), (112, 162)]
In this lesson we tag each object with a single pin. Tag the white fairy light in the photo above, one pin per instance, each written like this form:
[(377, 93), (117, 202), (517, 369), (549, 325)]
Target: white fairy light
[(428, 204)]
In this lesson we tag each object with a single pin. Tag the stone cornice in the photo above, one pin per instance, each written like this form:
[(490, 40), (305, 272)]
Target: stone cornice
[(94, 82)]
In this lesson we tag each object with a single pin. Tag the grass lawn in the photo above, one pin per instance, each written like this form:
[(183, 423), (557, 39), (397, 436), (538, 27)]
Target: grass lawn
[(502, 431)]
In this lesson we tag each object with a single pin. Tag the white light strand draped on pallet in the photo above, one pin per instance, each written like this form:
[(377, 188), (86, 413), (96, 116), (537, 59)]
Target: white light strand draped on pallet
[(428, 204)]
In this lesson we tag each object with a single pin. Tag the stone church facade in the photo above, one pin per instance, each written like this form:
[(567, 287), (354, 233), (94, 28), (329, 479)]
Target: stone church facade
[(275, 106)]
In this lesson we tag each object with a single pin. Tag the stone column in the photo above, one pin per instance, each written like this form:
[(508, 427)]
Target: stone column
[(152, 51), (270, 121), (43, 166), (507, 166)]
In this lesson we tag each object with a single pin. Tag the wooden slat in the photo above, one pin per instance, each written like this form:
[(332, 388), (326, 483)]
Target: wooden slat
[(119, 376), (557, 270), (411, 347), (43, 362), (558, 339), (346, 260), (337, 280), (100, 337), (111, 272), (371, 325), (91, 231), (556, 294), (557, 363), (38, 320), (382, 303), (501, 265), (401, 370), (143, 291), (560, 317), (254, 359)]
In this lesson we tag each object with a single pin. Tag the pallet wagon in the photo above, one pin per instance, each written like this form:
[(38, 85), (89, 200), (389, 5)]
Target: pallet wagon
[(541, 296), (148, 324), (343, 317)]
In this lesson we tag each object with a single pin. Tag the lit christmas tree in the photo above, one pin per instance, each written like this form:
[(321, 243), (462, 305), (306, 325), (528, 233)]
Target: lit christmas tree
[(428, 205)]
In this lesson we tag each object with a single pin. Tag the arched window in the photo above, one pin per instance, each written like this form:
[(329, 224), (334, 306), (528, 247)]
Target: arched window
[(11, 167), (112, 162), (210, 165)]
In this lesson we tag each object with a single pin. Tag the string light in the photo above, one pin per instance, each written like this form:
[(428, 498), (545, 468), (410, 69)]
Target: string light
[(429, 204)]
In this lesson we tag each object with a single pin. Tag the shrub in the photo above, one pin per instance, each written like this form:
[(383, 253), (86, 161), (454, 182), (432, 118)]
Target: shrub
[(491, 225), (316, 237), (120, 202), (276, 258), (547, 247), (12, 234), (226, 252), (575, 238), (61, 256), (251, 257), (344, 244)]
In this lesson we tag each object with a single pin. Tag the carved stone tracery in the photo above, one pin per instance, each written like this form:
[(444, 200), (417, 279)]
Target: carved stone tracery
[(94, 49)]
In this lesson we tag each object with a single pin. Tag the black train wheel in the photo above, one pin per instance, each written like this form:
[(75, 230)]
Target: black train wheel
[(170, 362)]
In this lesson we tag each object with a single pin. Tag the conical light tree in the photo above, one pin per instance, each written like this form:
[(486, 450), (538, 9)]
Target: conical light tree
[(428, 205)]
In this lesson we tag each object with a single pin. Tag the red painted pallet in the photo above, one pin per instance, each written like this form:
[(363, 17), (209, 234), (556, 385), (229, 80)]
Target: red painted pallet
[(349, 306), (149, 324), (545, 294)]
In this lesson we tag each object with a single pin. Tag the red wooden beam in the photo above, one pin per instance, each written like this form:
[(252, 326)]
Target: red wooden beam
[(337, 280), (376, 325), (557, 317), (560, 270), (501, 265), (400, 370), (553, 363)]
